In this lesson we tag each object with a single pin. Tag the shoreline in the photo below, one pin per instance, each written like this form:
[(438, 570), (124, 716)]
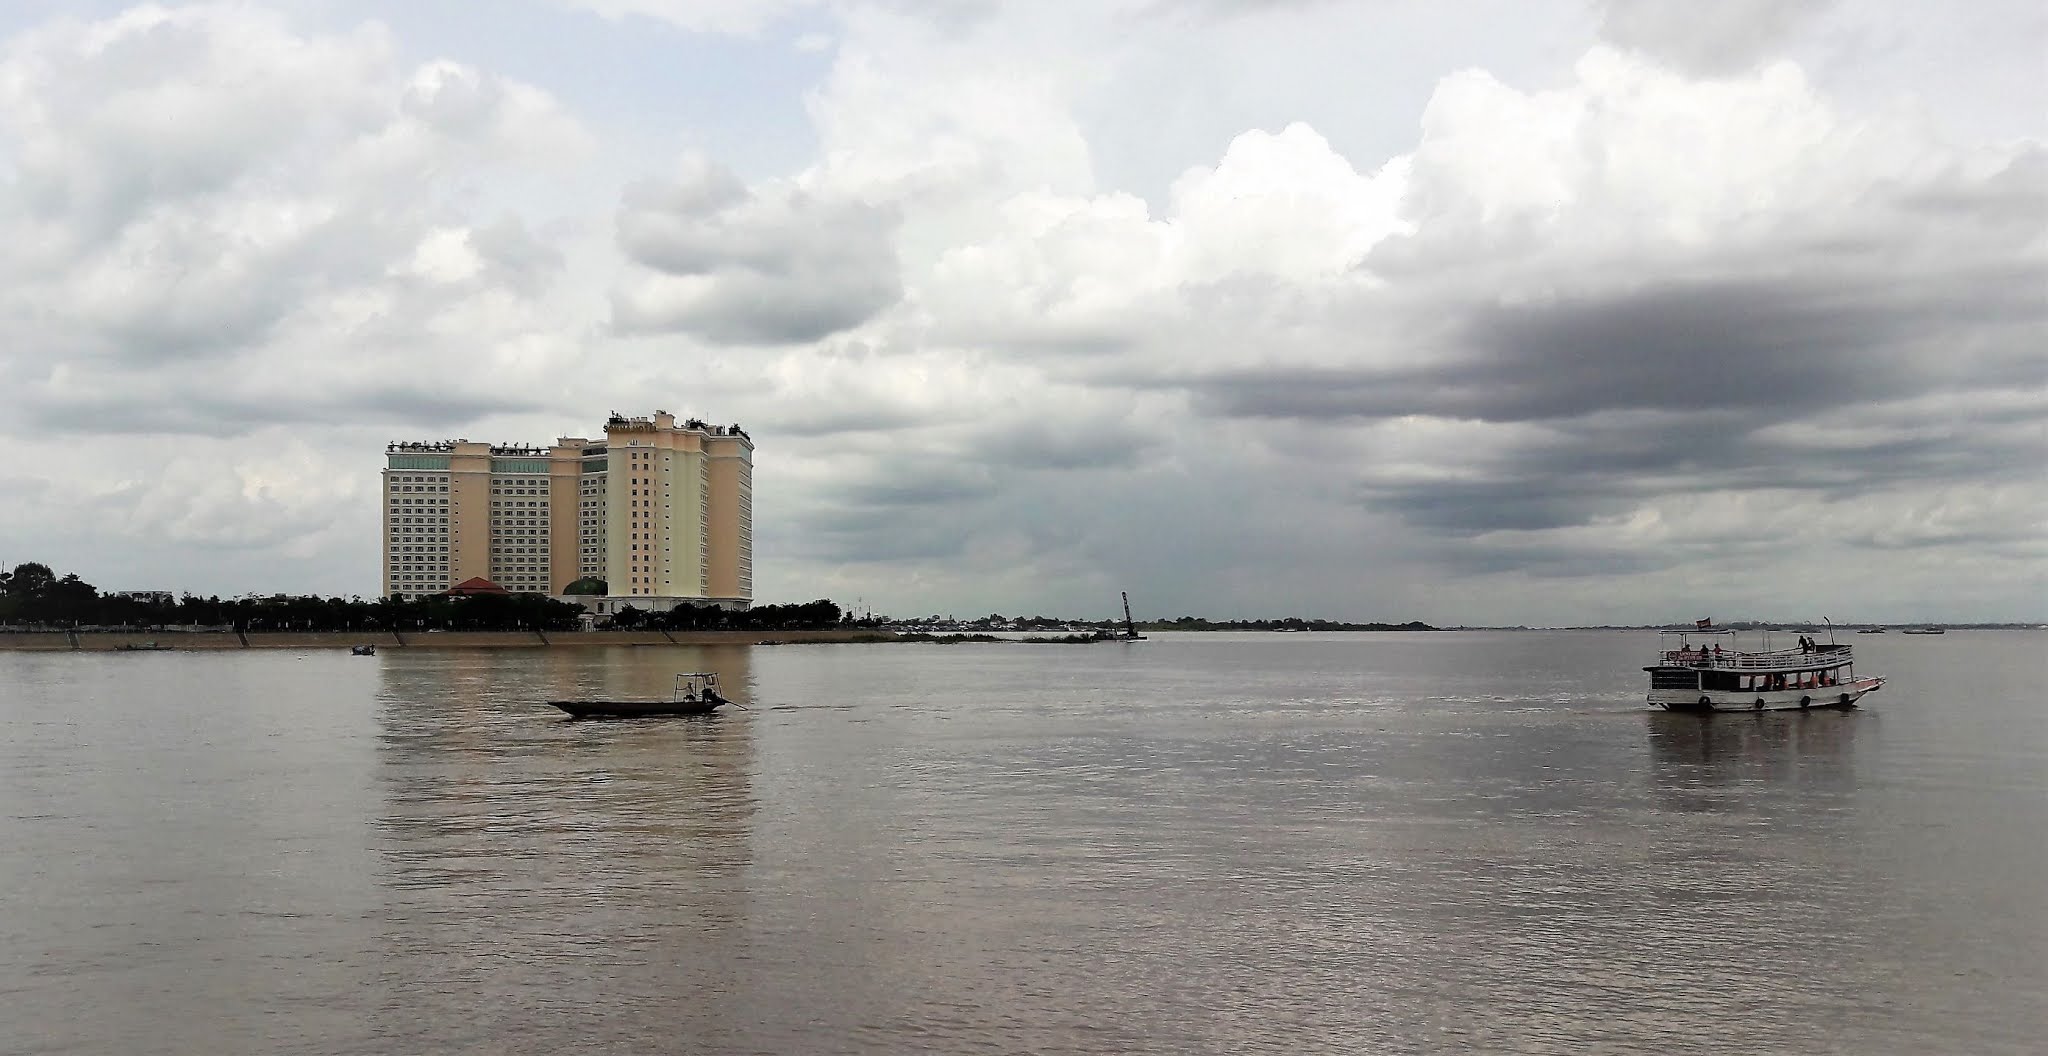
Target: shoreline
[(211, 641)]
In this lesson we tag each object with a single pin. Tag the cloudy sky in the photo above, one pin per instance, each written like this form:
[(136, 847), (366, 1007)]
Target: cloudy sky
[(1491, 311)]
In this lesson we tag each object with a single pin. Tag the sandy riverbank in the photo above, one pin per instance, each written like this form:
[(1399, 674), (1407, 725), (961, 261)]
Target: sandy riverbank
[(124, 641)]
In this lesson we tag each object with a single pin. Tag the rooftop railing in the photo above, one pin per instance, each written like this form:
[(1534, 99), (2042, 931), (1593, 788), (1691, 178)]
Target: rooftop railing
[(1772, 660)]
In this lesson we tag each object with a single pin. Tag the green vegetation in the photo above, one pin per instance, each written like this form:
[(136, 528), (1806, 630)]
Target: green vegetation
[(808, 616), (33, 596)]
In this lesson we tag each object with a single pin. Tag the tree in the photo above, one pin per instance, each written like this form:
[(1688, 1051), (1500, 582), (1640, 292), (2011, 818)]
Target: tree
[(30, 580)]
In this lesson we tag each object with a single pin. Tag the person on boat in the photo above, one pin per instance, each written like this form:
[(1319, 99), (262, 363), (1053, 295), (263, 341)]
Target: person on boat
[(1717, 650)]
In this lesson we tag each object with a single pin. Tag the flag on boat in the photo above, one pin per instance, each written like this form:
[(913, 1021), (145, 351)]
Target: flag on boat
[(1704, 624)]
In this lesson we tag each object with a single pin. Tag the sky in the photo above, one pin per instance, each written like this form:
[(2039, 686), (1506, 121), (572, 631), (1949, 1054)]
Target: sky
[(1487, 312)]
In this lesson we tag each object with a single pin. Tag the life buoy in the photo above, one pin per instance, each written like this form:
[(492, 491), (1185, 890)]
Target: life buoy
[(1759, 703), (1806, 702), (1845, 700), (1706, 704)]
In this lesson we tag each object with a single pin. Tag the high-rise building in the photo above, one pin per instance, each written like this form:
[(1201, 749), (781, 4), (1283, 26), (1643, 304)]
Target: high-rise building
[(662, 512)]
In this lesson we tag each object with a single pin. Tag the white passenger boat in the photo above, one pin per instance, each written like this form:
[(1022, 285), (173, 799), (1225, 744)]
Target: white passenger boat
[(1706, 672)]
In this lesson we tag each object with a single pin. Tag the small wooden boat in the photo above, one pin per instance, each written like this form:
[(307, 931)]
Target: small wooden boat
[(695, 693)]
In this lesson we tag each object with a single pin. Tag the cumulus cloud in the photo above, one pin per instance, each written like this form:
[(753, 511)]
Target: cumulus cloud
[(188, 182), (1611, 297), (1608, 340), (729, 263), (219, 230)]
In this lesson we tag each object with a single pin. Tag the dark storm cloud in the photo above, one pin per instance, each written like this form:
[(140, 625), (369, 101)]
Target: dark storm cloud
[(852, 417), (877, 534), (936, 486), (1070, 448), (1472, 508), (1589, 469), (1553, 561), (735, 265), (1763, 345), (754, 309), (1811, 383)]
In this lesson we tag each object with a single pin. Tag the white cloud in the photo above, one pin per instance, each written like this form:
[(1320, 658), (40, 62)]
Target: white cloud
[(214, 227)]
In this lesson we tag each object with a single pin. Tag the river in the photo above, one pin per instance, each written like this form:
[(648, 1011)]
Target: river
[(1200, 843)]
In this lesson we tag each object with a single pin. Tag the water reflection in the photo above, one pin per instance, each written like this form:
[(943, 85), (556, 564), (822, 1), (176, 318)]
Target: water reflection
[(546, 852), (1811, 751)]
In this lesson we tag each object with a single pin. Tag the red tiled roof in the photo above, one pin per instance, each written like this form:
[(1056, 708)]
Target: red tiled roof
[(475, 585)]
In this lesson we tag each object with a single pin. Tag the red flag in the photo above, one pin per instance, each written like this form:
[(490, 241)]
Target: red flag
[(1703, 624)]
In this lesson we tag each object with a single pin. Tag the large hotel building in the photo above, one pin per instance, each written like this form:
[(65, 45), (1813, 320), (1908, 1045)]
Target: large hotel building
[(662, 512)]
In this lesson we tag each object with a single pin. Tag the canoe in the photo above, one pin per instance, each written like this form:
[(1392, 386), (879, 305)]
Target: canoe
[(695, 693), (636, 709)]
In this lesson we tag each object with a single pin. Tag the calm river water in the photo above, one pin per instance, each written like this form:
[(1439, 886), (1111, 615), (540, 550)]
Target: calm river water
[(1204, 843)]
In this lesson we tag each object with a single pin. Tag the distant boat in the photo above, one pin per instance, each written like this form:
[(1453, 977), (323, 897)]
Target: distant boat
[(362, 650), (695, 693), (1871, 630), (1924, 630)]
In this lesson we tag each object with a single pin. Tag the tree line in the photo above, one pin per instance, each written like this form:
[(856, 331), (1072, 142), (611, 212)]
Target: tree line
[(32, 595), (806, 616)]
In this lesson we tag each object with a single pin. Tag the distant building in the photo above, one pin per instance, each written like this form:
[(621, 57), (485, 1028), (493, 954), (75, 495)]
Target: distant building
[(152, 596), (662, 513)]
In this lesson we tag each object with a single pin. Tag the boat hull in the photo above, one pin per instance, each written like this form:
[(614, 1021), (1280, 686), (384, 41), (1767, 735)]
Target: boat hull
[(636, 709), (1845, 695)]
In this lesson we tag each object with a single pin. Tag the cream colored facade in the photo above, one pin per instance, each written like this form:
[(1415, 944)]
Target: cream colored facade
[(663, 512)]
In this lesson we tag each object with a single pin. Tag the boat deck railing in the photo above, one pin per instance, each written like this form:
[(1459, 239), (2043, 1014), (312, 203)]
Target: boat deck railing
[(1776, 659)]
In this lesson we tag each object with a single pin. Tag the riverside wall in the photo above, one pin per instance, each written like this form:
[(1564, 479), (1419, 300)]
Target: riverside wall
[(125, 641)]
